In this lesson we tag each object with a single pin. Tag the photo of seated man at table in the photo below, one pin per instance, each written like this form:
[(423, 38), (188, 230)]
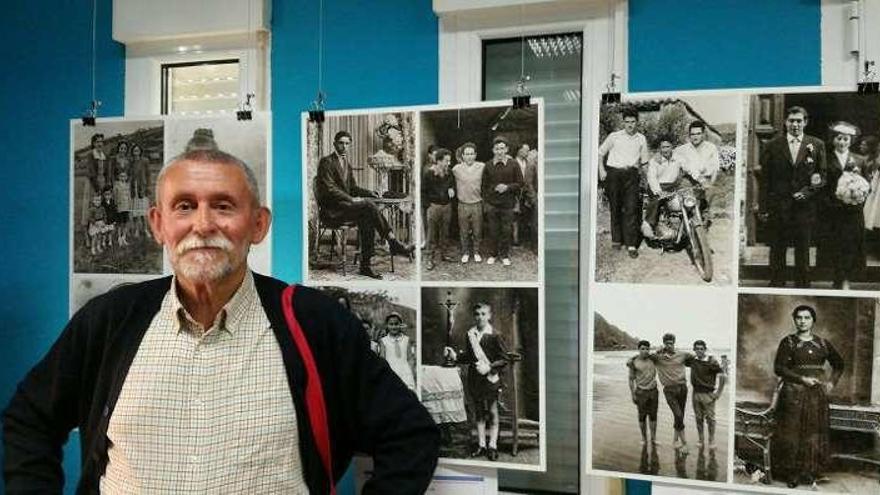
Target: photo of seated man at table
[(359, 193), (480, 374)]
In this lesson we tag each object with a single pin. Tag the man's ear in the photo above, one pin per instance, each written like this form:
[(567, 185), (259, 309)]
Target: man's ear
[(262, 223), (155, 217)]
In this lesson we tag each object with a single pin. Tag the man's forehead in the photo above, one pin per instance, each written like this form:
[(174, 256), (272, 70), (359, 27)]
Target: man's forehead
[(202, 174)]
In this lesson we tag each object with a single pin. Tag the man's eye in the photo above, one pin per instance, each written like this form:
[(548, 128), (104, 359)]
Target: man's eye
[(183, 206), (224, 206)]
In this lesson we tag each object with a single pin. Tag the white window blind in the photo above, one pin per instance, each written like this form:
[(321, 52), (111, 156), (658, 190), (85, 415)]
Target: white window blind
[(554, 64)]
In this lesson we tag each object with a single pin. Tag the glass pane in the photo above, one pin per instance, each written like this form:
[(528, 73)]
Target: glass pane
[(553, 63), (202, 88)]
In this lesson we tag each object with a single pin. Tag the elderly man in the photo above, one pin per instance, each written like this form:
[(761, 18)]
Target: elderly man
[(217, 379), (341, 199)]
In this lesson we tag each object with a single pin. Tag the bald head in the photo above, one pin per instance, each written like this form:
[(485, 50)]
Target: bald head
[(213, 156)]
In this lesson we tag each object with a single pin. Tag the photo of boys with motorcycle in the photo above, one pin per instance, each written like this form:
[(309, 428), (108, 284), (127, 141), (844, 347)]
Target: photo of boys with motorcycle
[(684, 208)]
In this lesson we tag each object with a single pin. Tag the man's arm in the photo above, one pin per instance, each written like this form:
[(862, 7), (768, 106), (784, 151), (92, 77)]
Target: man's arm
[(604, 149), (382, 417), (42, 412), (632, 378), (328, 182), (653, 180)]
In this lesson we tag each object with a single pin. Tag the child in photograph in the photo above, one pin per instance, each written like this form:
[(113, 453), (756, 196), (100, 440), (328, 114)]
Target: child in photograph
[(108, 203), (486, 356), (438, 189), (120, 162), (468, 176), (122, 196), (140, 191), (396, 349), (97, 225)]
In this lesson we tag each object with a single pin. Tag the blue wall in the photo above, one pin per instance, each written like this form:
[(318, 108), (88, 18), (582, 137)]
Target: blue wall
[(702, 44), (46, 81)]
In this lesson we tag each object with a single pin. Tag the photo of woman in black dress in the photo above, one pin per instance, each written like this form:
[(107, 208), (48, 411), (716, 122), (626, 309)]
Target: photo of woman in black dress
[(801, 446)]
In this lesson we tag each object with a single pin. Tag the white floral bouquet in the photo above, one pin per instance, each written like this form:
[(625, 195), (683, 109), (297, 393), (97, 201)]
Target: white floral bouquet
[(852, 188)]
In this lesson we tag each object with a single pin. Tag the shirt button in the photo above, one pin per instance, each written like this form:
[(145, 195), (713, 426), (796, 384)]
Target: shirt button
[(106, 411), (193, 459)]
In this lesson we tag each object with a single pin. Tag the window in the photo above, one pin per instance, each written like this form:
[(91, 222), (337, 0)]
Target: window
[(554, 63), (200, 88)]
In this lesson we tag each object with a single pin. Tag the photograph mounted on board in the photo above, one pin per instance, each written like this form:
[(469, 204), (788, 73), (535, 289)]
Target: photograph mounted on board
[(811, 184), (660, 404), (114, 166), (358, 182), (86, 287), (480, 193), (664, 208), (389, 318), (808, 393), (481, 374), (247, 140)]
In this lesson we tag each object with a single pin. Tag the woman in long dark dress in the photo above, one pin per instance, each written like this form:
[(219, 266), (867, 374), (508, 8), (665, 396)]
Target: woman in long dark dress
[(843, 249), (800, 447)]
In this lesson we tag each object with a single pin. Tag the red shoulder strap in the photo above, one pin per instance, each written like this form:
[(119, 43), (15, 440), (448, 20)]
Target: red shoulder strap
[(315, 405)]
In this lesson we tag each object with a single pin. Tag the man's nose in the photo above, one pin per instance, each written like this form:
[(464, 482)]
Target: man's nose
[(204, 221)]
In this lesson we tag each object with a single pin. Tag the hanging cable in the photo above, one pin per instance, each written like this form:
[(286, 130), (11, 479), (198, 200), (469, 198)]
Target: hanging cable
[(316, 113), (245, 111), (92, 113), (521, 99), (611, 94)]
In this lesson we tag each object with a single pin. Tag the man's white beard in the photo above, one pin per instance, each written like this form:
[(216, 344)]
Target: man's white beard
[(205, 266)]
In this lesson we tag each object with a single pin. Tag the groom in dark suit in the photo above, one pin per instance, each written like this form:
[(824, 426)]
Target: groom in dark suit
[(340, 199), (792, 174)]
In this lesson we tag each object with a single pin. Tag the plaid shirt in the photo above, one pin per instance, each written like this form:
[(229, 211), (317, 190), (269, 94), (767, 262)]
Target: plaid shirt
[(206, 411)]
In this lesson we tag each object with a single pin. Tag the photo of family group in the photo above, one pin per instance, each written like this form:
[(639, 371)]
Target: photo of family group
[(664, 212), (358, 184), (389, 318), (807, 393), (113, 170), (480, 194), (481, 374), (660, 375), (812, 184)]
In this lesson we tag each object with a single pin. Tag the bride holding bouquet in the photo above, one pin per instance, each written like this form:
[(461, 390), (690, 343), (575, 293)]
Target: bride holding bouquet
[(847, 191)]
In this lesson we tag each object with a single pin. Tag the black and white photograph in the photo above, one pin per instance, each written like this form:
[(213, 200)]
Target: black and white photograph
[(86, 287), (113, 173), (660, 398), (480, 193), (247, 140), (808, 393), (481, 375), (811, 212), (664, 211), (358, 183), (389, 317)]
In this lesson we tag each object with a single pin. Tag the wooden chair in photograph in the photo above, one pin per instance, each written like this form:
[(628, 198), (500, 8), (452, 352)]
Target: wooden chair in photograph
[(755, 428), (509, 414), (339, 233)]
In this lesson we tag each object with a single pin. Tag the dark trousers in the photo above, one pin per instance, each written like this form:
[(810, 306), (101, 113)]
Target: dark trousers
[(622, 189), (791, 225), (676, 398), (499, 223), (369, 220)]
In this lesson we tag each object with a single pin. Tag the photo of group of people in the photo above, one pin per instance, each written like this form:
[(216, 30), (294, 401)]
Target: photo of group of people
[(764, 338), (115, 166), (425, 222), (434, 194)]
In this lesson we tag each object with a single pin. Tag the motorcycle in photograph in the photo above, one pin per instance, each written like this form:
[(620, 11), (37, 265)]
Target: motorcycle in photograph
[(681, 226)]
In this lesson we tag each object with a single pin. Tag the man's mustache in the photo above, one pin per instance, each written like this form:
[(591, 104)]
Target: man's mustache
[(193, 241)]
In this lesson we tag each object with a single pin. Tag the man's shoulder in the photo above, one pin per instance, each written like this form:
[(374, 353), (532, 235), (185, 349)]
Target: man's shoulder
[(124, 299), (327, 159)]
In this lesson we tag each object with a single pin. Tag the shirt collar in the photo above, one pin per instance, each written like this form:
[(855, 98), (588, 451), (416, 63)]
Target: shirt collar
[(99, 155), (791, 138), (230, 316)]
